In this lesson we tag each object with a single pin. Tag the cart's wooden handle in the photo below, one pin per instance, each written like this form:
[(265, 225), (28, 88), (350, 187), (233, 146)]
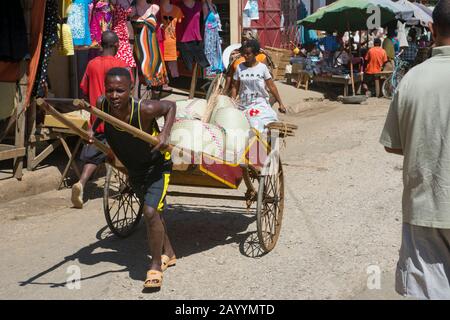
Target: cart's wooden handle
[(82, 133), (119, 123)]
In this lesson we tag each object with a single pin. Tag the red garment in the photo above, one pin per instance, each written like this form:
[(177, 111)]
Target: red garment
[(120, 28), (376, 57), (93, 83)]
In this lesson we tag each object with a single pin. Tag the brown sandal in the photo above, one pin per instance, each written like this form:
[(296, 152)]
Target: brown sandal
[(154, 279), (167, 262)]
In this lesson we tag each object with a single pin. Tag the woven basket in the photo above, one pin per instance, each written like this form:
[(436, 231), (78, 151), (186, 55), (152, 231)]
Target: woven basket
[(236, 128), (199, 137), (221, 102), (191, 109)]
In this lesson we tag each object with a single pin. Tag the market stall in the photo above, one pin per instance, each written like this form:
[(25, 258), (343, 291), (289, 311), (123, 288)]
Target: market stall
[(354, 18), (63, 36)]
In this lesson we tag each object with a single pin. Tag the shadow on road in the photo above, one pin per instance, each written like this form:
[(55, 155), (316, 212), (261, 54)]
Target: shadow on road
[(192, 229)]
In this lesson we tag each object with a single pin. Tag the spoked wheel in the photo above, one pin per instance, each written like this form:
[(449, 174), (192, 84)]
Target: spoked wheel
[(122, 208), (251, 179), (270, 203)]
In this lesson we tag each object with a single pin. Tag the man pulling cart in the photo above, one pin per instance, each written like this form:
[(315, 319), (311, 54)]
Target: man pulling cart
[(145, 170)]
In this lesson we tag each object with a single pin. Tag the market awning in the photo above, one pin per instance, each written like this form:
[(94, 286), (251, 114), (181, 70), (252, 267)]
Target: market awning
[(421, 16), (402, 12), (350, 15)]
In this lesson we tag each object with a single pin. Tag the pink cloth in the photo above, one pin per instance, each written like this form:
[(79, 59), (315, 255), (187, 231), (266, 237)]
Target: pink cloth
[(100, 13), (189, 28)]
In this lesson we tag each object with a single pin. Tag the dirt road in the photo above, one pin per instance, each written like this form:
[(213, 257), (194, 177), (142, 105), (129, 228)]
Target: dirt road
[(342, 216)]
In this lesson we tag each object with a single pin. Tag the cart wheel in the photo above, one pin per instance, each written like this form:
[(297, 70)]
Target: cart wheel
[(122, 208), (270, 203)]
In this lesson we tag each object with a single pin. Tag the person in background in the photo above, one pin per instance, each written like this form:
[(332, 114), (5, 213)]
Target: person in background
[(409, 53), (375, 58), (260, 57), (417, 127), (330, 45), (93, 86), (341, 57), (249, 83), (390, 48)]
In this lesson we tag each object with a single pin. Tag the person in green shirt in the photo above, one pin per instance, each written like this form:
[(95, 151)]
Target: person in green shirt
[(389, 47)]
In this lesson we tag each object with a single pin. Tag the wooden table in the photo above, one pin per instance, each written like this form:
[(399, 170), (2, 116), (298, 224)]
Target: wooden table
[(340, 79), (301, 77)]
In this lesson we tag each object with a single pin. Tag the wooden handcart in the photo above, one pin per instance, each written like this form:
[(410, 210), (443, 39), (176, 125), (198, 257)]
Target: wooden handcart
[(259, 167)]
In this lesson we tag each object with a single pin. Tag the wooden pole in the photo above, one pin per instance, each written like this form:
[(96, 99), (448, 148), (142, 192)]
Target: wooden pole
[(351, 59), (193, 81), (112, 159), (80, 132)]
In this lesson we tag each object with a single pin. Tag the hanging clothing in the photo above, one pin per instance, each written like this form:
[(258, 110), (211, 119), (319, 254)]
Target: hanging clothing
[(170, 19), (189, 28), (119, 26), (13, 32), (49, 39), (149, 54), (101, 19), (193, 52), (64, 9), (65, 42), (127, 4), (36, 26), (189, 38), (401, 35), (213, 45), (78, 20)]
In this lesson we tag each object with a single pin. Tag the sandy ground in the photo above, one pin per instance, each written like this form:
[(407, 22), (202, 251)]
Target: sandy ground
[(342, 215)]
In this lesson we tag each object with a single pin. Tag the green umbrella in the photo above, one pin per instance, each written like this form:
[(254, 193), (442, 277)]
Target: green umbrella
[(348, 15)]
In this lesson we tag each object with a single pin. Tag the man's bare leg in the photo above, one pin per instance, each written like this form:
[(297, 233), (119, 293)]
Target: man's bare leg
[(155, 235), (77, 188), (88, 171), (167, 246)]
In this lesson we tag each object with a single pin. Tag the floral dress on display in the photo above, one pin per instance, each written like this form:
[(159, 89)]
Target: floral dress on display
[(119, 26)]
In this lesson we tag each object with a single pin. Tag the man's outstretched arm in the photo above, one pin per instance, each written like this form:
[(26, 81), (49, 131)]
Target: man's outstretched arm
[(156, 109)]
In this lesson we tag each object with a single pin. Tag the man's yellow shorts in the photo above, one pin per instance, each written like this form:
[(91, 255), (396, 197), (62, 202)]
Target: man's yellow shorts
[(152, 187)]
